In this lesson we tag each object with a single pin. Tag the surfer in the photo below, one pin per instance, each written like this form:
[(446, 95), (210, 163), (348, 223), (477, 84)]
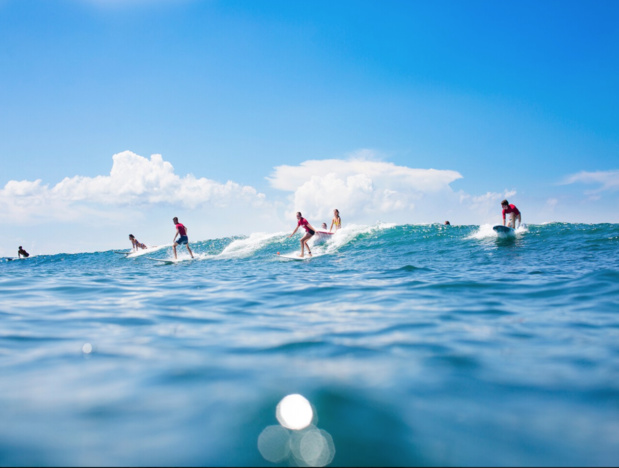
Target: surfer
[(337, 221), (136, 244), (309, 232), (324, 226), (22, 253), (515, 214), (183, 239), (447, 223)]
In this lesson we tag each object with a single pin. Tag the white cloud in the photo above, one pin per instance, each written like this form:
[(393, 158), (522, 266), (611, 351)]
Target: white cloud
[(607, 180), (133, 180), (365, 188)]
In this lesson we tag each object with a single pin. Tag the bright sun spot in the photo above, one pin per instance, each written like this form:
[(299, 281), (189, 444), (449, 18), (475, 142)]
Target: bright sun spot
[(294, 412), (296, 441)]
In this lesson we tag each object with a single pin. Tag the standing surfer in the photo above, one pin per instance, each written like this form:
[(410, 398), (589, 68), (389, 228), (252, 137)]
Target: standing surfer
[(515, 213), (309, 232), (337, 221), (181, 231)]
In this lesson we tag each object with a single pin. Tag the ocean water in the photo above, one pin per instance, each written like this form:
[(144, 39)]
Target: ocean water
[(394, 345)]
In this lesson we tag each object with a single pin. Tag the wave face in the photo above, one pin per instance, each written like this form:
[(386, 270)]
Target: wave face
[(414, 345)]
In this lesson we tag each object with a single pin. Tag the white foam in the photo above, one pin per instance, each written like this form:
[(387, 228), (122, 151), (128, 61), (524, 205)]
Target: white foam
[(241, 248), (150, 250), (350, 232), (485, 231)]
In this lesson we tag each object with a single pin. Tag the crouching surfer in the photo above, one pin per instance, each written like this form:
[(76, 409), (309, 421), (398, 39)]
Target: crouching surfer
[(515, 214), (136, 244)]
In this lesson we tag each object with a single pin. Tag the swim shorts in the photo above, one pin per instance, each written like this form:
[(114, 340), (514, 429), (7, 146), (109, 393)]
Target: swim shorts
[(182, 240)]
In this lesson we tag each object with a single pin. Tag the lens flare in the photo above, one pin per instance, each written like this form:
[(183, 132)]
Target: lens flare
[(312, 447), (294, 412), (274, 443)]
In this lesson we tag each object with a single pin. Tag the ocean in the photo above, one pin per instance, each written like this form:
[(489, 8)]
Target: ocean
[(395, 345)]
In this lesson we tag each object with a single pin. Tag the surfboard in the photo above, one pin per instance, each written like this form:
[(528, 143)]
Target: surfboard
[(121, 253), (295, 256), (292, 257), (504, 231), (170, 261), (14, 259)]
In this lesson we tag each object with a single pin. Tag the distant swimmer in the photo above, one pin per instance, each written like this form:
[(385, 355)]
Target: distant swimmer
[(136, 244), (22, 253), (309, 232), (447, 223), (337, 221), (515, 214), (183, 239)]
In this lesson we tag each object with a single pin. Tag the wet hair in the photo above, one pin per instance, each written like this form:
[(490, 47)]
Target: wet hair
[(131, 236), (299, 214), (504, 202), (338, 211), (175, 219)]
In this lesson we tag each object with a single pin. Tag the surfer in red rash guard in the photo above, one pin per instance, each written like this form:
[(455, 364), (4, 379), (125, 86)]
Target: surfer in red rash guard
[(511, 209), (181, 231), (309, 232)]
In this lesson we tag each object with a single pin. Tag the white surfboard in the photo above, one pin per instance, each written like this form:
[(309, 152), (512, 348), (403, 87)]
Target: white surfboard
[(170, 261), (295, 256), (504, 231)]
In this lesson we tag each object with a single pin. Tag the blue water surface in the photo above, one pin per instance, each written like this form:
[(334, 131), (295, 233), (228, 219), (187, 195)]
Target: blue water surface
[(415, 345)]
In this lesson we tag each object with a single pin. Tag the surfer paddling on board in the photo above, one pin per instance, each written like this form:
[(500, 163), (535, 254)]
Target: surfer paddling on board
[(22, 253), (183, 239), (309, 232), (515, 214), (337, 221), (136, 244)]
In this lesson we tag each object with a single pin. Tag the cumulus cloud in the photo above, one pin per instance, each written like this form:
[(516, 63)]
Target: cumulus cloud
[(363, 187), (484, 206), (606, 180), (133, 180)]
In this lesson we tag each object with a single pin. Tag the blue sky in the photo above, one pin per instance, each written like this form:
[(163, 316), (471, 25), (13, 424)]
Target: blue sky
[(516, 99)]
